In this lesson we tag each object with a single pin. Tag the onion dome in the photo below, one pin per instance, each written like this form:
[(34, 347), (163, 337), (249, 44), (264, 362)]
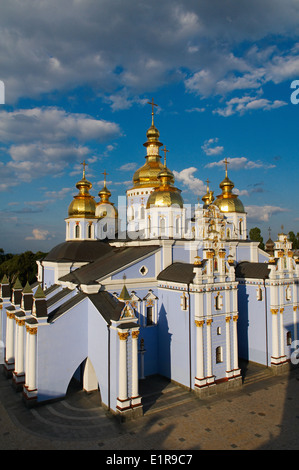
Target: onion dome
[(227, 201), (166, 194), (104, 207), (147, 175), (83, 204)]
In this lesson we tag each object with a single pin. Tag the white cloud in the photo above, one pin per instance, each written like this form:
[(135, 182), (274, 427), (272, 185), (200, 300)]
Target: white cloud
[(209, 149), (130, 166), (45, 141), (238, 163), (263, 213), (38, 234), (187, 177), (248, 103)]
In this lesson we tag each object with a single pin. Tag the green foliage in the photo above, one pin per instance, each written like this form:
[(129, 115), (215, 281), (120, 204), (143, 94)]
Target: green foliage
[(22, 266), (255, 236), (294, 239)]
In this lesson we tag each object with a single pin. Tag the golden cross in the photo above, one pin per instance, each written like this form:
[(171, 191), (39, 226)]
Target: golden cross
[(84, 165), (226, 163), (165, 150), (105, 174), (153, 104), (207, 181)]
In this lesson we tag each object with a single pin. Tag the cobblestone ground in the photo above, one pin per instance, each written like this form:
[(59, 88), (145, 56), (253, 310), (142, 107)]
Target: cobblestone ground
[(261, 415)]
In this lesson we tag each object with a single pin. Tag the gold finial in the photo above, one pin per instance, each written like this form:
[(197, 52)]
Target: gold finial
[(165, 150), (226, 162), (207, 181), (269, 230), (84, 165), (152, 104)]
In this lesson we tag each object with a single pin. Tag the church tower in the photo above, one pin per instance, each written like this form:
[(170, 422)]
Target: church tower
[(106, 214), (145, 179), (232, 207), (81, 220)]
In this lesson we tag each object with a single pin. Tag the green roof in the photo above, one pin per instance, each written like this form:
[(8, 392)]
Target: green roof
[(17, 284), (5, 280), (39, 293), (124, 295), (27, 289)]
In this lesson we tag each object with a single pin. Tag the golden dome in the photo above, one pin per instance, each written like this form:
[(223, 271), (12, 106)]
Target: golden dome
[(147, 175), (83, 204), (166, 194), (208, 198), (227, 201), (104, 207)]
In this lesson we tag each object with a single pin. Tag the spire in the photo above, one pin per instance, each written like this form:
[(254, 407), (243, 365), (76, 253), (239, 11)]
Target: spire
[(17, 285), (39, 293), (124, 295)]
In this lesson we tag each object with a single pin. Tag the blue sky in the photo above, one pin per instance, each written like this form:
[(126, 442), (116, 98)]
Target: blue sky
[(78, 75)]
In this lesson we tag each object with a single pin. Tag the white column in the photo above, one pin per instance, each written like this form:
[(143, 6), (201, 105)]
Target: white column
[(135, 399), (27, 357), (235, 343), (210, 377), (135, 363), (275, 353), (199, 379), (19, 365), (9, 353), (228, 354), (282, 339), (32, 359), (122, 401)]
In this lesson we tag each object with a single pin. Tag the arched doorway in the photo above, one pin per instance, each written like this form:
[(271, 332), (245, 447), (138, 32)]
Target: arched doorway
[(85, 379)]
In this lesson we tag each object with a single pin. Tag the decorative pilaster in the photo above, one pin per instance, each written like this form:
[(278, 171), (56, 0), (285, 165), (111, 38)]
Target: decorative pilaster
[(235, 347), (228, 353), (135, 398), (30, 387), (9, 363), (200, 381), (123, 402), (19, 372), (275, 352), (210, 377)]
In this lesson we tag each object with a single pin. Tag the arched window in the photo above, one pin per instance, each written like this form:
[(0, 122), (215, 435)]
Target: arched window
[(142, 212), (240, 227), (177, 226), (228, 233), (162, 226), (77, 231), (89, 231), (219, 356), (289, 338)]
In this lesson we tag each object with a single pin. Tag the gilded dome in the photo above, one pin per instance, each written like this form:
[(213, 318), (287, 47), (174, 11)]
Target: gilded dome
[(228, 201), (83, 205), (104, 207), (147, 175), (166, 194)]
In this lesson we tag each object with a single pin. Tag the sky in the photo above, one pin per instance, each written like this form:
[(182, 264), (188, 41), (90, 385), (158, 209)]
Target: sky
[(76, 77)]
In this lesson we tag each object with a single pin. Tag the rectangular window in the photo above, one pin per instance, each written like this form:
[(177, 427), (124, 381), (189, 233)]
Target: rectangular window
[(149, 315)]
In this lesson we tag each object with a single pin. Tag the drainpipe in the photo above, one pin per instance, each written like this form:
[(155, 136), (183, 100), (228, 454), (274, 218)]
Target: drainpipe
[(266, 321)]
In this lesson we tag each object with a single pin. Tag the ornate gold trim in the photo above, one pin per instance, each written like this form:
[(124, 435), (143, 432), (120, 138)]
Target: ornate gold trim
[(123, 336), (135, 334), (199, 323)]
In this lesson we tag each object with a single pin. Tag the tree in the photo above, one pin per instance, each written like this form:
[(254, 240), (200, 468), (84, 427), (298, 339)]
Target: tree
[(22, 266), (255, 236), (294, 239)]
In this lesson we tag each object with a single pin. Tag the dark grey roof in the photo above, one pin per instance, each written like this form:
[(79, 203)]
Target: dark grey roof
[(57, 312), (109, 263), (86, 250), (108, 306), (177, 272), (246, 269), (55, 298)]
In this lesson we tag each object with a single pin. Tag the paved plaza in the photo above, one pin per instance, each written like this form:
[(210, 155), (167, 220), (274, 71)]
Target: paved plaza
[(263, 414)]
